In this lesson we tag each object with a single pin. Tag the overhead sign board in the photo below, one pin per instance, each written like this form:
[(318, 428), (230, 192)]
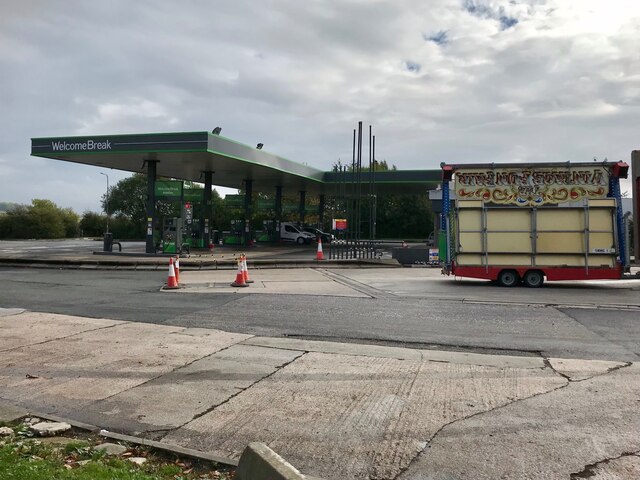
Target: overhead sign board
[(263, 204), (193, 195), (531, 186), (289, 208), (168, 188), (159, 142), (234, 200), (83, 145)]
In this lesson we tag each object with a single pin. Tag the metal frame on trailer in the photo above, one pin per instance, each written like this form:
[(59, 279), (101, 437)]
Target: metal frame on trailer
[(553, 272)]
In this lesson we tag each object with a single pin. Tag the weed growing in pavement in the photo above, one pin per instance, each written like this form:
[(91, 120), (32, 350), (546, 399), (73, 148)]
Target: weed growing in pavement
[(26, 457)]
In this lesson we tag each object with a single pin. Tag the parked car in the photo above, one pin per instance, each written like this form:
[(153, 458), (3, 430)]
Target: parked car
[(292, 233), (326, 237)]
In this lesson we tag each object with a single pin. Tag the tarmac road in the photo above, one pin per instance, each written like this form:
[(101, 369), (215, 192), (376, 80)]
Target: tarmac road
[(542, 405), (467, 316)]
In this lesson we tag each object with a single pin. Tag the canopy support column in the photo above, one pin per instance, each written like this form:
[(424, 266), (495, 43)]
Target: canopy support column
[(321, 213), (151, 204), (278, 210), (206, 222), (303, 196), (248, 193)]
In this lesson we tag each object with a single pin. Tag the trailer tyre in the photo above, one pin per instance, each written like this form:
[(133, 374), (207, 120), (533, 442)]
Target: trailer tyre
[(533, 279), (508, 278)]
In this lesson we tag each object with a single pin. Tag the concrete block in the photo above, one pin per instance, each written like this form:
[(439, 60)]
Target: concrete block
[(10, 413), (409, 256), (259, 462)]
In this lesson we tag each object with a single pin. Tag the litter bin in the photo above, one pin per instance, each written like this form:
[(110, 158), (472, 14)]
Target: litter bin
[(108, 242)]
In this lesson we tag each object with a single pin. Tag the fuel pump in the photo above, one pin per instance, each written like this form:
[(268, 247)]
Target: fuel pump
[(171, 235)]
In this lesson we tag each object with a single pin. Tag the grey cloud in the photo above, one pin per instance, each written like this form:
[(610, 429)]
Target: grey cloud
[(439, 38), (412, 67)]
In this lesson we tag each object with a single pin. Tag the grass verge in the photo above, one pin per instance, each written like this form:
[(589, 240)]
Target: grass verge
[(74, 456)]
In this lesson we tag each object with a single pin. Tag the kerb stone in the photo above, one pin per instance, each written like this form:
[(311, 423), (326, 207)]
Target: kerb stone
[(259, 462)]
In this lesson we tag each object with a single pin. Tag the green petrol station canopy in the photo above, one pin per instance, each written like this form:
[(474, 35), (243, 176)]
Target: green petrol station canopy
[(187, 155)]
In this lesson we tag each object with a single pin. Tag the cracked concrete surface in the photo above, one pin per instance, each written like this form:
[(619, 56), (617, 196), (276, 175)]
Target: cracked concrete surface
[(196, 388), (578, 370), (93, 362), (336, 410), (622, 467), (341, 416), (546, 437), (34, 327)]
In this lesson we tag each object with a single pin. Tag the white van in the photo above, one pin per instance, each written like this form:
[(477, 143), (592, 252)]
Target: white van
[(291, 233)]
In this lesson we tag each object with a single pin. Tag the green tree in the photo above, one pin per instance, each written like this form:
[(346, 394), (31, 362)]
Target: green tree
[(93, 224), (128, 197), (41, 219), (404, 216), (70, 221), (6, 206)]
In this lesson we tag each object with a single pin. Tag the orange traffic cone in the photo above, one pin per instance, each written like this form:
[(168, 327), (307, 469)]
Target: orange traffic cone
[(210, 247), (171, 280), (319, 255), (239, 282), (245, 269), (176, 267)]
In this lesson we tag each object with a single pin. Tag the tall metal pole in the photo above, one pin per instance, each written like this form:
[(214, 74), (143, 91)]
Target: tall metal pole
[(635, 185), (373, 186), (107, 202), (370, 183), (358, 213), (352, 198)]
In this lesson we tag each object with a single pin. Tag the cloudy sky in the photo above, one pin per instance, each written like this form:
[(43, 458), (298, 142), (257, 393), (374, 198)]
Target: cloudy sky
[(440, 80)]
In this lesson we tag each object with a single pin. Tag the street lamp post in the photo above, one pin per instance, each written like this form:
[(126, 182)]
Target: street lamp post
[(107, 203)]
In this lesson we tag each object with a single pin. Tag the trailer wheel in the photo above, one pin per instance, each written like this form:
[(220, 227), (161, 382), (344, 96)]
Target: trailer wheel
[(508, 278), (533, 279)]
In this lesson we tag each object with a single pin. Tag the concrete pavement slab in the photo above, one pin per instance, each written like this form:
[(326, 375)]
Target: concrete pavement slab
[(500, 361), (5, 312), (29, 328), (10, 412), (339, 416), (625, 467), (556, 436), (577, 370), (62, 375), (176, 398), (301, 281), (341, 410)]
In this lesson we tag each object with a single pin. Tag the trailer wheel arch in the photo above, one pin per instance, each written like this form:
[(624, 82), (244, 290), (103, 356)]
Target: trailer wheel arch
[(508, 278), (533, 278)]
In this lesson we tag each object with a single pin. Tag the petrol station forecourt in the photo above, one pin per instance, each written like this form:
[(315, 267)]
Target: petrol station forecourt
[(212, 159)]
